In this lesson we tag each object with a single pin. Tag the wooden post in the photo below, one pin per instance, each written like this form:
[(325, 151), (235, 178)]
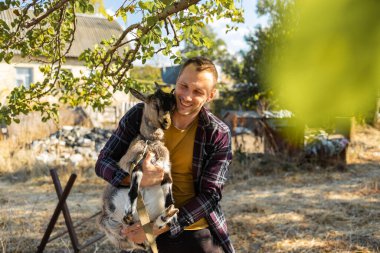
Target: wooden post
[(62, 206), (65, 210), (376, 120), (56, 213)]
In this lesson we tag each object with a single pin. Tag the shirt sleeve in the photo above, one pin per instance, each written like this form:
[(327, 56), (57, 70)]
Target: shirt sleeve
[(211, 182), (107, 166)]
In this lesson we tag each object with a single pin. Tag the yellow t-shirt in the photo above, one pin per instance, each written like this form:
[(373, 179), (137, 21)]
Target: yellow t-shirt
[(180, 144)]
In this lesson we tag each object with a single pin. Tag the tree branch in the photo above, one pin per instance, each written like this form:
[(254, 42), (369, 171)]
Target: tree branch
[(46, 14), (174, 8)]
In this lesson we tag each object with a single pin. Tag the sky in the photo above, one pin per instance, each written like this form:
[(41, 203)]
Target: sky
[(234, 39)]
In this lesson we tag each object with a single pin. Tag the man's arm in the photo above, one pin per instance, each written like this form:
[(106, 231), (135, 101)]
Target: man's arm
[(106, 166)]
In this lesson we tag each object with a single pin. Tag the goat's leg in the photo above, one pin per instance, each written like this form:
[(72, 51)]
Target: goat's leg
[(131, 205), (166, 186), (167, 216), (170, 212)]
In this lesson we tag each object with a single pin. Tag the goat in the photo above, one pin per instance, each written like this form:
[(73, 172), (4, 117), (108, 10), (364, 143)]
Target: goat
[(119, 204)]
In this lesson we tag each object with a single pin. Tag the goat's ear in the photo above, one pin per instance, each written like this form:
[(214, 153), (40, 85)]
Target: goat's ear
[(137, 94), (158, 87)]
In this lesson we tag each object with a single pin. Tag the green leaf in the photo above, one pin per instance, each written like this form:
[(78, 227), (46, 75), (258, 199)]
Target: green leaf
[(166, 2), (16, 12), (50, 30), (2, 55), (122, 13), (90, 8), (177, 61), (4, 25), (3, 7), (152, 20), (8, 57), (142, 5)]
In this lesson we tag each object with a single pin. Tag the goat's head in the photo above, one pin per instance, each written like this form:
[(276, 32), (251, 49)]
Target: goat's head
[(158, 107)]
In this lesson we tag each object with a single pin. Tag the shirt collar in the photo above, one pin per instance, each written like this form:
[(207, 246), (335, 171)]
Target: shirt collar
[(204, 118)]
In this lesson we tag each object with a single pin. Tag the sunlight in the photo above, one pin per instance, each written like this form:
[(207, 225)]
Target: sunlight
[(299, 244)]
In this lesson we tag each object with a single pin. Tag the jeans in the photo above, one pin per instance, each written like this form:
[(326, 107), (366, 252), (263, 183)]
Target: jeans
[(189, 241)]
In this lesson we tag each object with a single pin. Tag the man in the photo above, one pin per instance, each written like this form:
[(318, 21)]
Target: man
[(200, 152)]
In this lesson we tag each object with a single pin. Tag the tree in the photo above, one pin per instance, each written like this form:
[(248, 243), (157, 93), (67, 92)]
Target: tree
[(251, 73), (44, 31), (328, 68), (209, 45), (146, 74)]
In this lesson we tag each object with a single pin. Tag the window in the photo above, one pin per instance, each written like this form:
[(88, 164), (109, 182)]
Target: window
[(24, 76)]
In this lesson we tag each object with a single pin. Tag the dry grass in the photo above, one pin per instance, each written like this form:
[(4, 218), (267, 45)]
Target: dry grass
[(280, 206), (18, 161), (271, 203)]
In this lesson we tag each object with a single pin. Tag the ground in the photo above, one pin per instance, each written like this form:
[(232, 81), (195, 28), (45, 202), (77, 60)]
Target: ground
[(272, 204)]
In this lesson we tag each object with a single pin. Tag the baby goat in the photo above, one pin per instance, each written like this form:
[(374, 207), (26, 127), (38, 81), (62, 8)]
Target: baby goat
[(119, 204)]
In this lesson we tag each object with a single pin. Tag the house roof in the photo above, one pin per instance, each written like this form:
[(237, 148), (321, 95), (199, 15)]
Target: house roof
[(170, 74), (90, 30), (241, 114)]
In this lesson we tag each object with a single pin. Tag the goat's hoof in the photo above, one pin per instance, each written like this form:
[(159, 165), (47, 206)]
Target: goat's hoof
[(171, 211), (167, 216), (128, 219)]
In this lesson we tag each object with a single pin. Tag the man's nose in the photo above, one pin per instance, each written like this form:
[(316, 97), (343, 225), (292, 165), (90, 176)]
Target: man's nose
[(187, 96)]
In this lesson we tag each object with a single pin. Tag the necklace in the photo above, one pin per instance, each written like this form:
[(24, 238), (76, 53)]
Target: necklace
[(188, 127)]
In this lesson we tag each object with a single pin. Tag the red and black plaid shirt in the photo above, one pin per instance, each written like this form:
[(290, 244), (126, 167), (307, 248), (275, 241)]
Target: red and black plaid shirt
[(212, 155)]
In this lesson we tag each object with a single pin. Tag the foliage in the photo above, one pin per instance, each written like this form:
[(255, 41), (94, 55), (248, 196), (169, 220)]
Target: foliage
[(329, 68), (252, 89), (212, 47), (44, 31), (146, 73)]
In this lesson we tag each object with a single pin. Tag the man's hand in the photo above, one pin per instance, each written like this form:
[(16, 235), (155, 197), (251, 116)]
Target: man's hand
[(152, 174), (135, 233)]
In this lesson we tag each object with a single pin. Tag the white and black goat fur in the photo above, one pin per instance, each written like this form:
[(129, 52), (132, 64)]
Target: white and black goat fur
[(120, 204)]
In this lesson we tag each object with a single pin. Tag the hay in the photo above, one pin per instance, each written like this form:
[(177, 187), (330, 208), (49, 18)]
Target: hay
[(271, 203)]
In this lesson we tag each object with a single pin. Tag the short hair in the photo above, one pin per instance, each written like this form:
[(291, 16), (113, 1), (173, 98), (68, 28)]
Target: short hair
[(202, 64)]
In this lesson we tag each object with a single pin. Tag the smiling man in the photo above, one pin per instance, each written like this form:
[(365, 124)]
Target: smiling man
[(200, 152)]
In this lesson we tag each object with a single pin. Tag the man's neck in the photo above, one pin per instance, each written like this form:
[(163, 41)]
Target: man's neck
[(183, 121)]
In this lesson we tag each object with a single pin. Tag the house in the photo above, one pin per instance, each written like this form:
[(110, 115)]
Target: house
[(276, 131), (238, 121), (170, 74), (90, 30)]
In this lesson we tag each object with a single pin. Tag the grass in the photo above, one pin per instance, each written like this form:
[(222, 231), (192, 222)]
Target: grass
[(271, 203)]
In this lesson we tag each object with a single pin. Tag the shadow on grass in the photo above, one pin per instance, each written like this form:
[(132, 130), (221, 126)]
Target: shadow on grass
[(281, 206)]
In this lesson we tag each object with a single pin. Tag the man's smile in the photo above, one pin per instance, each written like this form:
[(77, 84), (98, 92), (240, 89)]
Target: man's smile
[(184, 104)]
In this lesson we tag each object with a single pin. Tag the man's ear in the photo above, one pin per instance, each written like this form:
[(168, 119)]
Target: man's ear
[(137, 94), (212, 95)]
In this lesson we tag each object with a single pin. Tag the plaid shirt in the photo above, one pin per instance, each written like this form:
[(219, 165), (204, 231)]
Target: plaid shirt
[(211, 157)]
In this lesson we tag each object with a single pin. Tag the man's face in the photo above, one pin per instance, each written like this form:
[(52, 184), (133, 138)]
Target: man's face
[(193, 90)]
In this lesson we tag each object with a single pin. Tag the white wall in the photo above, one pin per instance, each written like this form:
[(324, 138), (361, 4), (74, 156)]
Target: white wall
[(121, 101)]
